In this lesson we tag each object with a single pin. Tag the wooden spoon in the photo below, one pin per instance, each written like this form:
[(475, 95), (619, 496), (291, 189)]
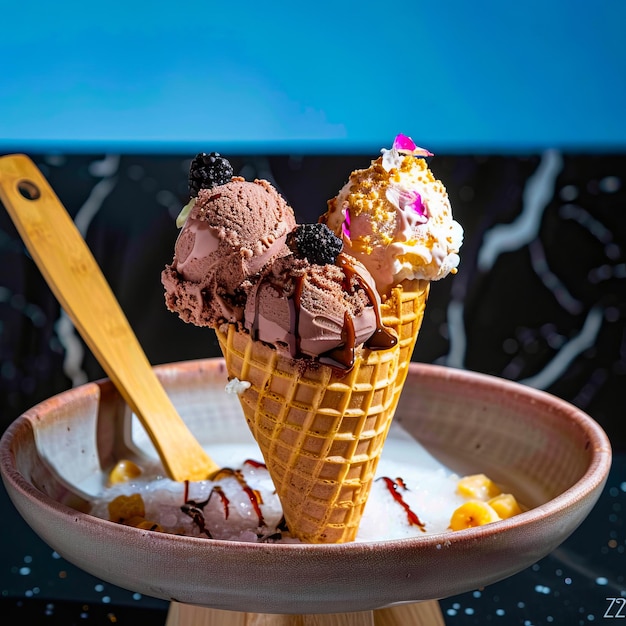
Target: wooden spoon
[(80, 287)]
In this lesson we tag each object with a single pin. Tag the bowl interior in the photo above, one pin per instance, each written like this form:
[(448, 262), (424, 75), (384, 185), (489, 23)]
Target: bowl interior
[(533, 444), (551, 455)]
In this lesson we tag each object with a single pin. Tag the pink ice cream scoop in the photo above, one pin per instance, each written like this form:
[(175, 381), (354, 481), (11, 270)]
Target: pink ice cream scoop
[(231, 232)]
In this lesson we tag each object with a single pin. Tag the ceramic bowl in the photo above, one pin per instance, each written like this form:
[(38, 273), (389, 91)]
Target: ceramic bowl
[(552, 455)]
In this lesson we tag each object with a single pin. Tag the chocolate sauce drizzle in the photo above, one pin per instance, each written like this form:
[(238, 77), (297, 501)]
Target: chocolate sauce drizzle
[(253, 495), (394, 486), (195, 510), (343, 356), (294, 307), (383, 338)]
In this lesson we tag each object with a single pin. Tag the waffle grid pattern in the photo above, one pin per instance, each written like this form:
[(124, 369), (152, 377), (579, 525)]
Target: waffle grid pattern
[(404, 312), (321, 431)]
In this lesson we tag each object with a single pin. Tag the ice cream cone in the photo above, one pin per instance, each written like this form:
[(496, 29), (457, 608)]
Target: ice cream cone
[(300, 308), (321, 430), (403, 311)]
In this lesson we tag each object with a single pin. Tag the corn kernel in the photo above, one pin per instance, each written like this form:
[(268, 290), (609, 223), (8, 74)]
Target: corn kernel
[(125, 507), (123, 471), (505, 505), (472, 513), (478, 487), (148, 525), (143, 523)]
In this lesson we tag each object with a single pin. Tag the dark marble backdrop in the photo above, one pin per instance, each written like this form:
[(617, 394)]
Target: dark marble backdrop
[(540, 296)]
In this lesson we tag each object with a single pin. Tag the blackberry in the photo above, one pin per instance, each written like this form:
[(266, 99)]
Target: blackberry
[(208, 170), (315, 242)]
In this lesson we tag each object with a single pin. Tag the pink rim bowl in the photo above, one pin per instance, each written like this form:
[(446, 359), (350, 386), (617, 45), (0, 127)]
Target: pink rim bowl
[(554, 457)]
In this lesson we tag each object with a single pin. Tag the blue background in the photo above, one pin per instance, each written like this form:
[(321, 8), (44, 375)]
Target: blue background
[(320, 77), (334, 82)]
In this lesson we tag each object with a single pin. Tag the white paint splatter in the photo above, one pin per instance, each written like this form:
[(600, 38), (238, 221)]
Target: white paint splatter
[(66, 333), (584, 340), (538, 192), (73, 350), (457, 335), (93, 204), (551, 280), (106, 167)]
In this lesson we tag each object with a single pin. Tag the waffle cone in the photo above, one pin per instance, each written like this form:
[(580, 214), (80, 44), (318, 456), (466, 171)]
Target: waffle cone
[(322, 430)]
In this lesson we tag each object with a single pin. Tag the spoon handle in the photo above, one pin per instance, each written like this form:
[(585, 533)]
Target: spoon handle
[(77, 282)]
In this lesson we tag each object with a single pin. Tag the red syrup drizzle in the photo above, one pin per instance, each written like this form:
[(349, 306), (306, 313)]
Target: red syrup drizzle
[(255, 464), (393, 486), (253, 495), (400, 481), (195, 510)]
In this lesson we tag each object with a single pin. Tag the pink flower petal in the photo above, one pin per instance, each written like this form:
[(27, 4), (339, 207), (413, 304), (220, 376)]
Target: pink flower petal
[(345, 226), (404, 143), (422, 152), (413, 200)]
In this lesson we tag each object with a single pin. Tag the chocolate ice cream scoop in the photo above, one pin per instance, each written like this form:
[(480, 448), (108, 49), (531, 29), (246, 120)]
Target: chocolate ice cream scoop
[(231, 232), (240, 258), (325, 307)]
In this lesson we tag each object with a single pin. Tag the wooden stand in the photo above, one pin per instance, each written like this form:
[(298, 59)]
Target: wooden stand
[(420, 614)]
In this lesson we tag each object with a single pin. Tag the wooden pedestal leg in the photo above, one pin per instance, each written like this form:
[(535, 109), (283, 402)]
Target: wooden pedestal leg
[(417, 614), (420, 614)]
